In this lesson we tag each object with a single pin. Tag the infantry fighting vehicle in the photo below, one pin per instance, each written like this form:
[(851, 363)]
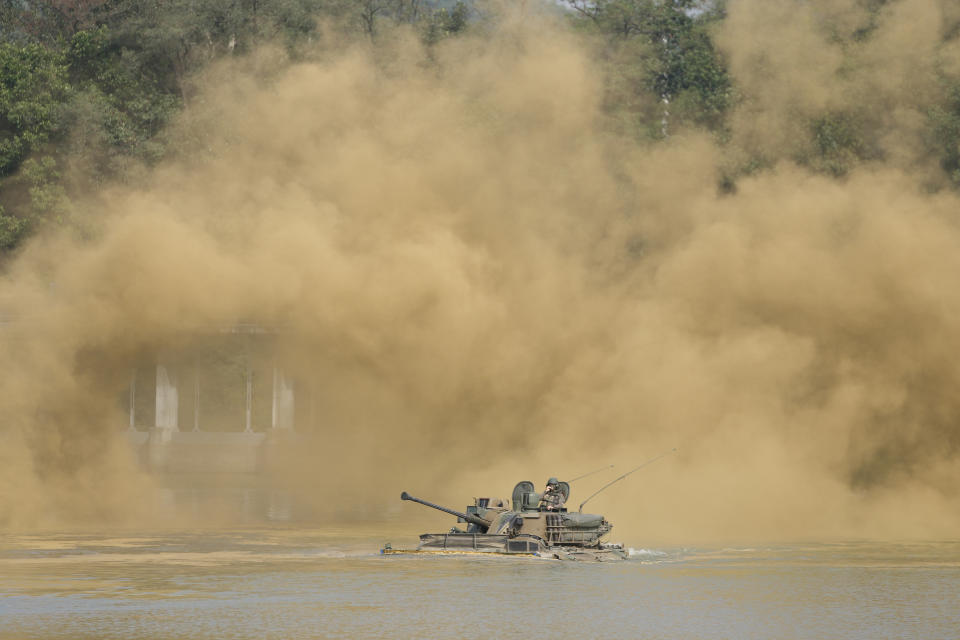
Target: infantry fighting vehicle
[(524, 527), (532, 524)]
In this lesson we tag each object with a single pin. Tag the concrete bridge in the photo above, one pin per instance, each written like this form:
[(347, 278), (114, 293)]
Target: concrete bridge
[(221, 402), (165, 446), (221, 405)]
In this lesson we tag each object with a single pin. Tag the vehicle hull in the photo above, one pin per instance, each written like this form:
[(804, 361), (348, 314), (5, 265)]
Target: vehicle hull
[(520, 545)]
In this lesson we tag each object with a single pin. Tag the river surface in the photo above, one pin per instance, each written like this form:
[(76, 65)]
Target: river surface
[(297, 583)]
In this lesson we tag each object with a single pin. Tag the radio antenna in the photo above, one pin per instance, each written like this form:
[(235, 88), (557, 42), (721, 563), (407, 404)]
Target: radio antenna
[(609, 466), (651, 460)]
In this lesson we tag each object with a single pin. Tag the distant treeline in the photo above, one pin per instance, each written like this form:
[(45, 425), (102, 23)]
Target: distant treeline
[(89, 87)]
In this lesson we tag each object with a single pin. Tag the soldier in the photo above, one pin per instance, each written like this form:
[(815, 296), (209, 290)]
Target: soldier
[(552, 497)]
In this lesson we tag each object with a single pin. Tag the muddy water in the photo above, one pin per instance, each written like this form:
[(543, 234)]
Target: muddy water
[(296, 583)]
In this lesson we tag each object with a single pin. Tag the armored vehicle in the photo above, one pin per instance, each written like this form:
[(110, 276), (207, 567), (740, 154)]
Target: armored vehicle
[(532, 524)]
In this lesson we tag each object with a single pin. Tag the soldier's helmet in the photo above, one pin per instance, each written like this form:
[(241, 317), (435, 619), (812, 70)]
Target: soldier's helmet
[(553, 481)]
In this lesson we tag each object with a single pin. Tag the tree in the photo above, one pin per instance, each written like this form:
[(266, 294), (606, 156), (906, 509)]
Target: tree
[(47, 21), (944, 137), (88, 87), (370, 10), (33, 86), (33, 89), (677, 61), (443, 22)]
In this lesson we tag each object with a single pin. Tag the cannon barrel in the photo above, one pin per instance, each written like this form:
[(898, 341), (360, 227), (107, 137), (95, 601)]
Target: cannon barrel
[(469, 517)]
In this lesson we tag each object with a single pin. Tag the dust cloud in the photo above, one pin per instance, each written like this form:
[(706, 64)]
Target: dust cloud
[(480, 285)]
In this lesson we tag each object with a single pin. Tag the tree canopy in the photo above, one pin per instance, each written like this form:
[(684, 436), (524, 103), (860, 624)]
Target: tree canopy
[(88, 88)]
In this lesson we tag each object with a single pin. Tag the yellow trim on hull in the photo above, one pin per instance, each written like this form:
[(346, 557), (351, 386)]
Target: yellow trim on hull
[(388, 552)]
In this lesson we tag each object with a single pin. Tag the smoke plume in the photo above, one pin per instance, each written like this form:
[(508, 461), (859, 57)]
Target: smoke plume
[(483, 286)]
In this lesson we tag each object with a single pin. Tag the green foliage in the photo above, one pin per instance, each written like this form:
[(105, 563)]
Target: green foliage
[(37, 188), (443, 22), (122, 103), (33, 92), (455, 19), (945, 134), (88, 87), (12, 230), (696, 77), (435, 19), (676, 59), (837, 144), (48, 198), (33, 88)]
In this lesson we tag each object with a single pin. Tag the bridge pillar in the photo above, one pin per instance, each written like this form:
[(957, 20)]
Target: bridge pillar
[(248, 422), (196, 399), (283, 401), (168, 405), (165, 420), (133, 399)]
